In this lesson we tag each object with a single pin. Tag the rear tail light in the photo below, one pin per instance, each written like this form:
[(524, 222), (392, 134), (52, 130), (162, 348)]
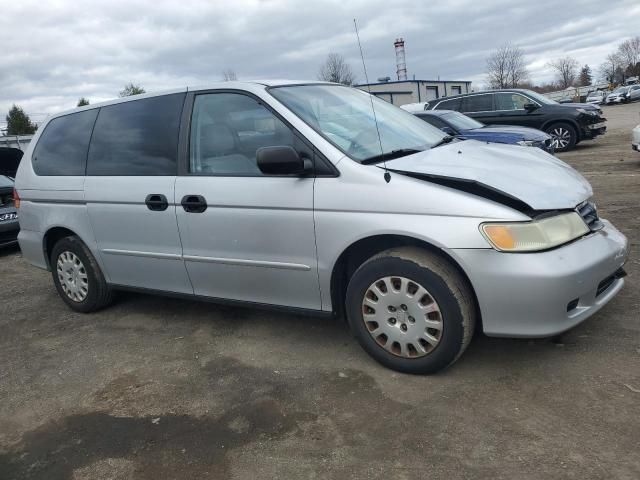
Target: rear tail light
[(16, 198)]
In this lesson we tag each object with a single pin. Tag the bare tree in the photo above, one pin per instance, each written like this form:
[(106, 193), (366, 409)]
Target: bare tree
[(336, 69), (229, 75), (629, 54), (506, 67), (609, 70), (566, 70)]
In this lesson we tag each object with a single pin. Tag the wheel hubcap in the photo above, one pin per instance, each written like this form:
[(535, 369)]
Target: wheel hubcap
[(73, 276), (561, 137), (402, 317)]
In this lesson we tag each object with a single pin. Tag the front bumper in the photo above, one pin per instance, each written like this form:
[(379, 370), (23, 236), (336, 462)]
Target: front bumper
[(546, 293)]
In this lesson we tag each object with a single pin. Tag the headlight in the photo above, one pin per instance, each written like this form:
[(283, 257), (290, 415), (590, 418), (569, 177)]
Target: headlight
[(587, 112), (526, 143), (535, 235)]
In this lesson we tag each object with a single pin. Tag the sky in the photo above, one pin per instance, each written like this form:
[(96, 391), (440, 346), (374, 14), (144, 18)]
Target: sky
[(54, 52)]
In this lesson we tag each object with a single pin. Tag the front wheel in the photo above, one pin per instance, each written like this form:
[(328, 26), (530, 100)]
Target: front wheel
[(411, 310), (564, 136)]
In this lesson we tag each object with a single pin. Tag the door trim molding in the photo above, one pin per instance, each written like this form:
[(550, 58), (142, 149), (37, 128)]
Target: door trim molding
[(198, 259), (246, 263), (135, 253)]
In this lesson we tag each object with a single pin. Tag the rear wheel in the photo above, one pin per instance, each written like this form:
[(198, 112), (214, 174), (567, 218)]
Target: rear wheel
[(77, 276), (410, 310), (564, 136)]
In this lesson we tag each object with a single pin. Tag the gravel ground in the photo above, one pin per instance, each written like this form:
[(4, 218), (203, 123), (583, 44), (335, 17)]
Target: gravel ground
[(159, 388)]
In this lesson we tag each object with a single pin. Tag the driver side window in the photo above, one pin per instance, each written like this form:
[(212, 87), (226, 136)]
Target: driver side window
[(226, 131), (511, 101)]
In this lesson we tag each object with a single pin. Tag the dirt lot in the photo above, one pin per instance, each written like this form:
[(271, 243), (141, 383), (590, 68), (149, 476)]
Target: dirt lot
[(156, 388)]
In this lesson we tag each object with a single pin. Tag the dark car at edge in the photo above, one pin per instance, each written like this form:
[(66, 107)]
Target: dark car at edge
[(568, 123), (9, 227), (461, 126)]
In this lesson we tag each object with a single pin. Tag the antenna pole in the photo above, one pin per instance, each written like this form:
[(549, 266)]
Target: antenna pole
[(387, 175)]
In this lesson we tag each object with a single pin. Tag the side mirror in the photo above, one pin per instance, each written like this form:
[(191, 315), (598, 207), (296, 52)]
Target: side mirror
[(530, 107), (448, 130), (282, 160)]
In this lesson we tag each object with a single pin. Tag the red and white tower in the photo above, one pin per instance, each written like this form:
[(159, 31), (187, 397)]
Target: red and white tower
[(400, 60)]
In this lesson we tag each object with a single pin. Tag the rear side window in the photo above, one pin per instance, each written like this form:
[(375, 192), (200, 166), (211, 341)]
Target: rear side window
[(138, 137), (478, 103), (62, 148), (453, 104)]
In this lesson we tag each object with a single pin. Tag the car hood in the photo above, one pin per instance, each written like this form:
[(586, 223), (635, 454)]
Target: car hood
[(525, 133), (586, 106), (528, 175)]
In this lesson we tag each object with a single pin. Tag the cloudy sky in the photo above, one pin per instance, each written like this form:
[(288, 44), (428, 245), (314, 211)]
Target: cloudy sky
[(53, 52)]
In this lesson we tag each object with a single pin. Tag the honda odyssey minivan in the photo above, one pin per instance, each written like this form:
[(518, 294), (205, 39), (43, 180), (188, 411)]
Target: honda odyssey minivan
[(319, 198)]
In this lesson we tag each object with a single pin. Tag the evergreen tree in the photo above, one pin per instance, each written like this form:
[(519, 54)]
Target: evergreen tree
[(585, 76), (82, 102), (19, 123), (131, 89)]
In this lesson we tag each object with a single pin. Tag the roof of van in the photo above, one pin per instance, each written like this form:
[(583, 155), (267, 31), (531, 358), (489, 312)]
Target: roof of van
[(209, 86)]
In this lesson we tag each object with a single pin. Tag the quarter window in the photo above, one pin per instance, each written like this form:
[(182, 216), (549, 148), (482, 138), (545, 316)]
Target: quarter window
[(478, 103), (226, 131), (62, 148), (511, 101), (138, 137)]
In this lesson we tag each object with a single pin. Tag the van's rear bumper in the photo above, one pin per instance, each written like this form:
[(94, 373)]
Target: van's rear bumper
[(546, 293), (32, 247)]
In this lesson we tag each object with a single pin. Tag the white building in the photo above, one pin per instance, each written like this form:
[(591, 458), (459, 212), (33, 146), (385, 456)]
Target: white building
[(414, 91)]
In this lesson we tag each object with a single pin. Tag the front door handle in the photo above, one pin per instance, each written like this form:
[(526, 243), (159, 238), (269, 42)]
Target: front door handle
[(194, 203), (156, 202)]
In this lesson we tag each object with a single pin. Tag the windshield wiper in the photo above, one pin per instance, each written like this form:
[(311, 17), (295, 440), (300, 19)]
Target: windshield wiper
[(401, 152), (444, 140)]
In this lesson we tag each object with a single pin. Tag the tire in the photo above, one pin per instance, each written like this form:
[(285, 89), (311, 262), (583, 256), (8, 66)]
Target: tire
[(564, 136), (421, 348), (82, 286)]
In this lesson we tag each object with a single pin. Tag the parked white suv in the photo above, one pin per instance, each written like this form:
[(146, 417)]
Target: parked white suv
[(297, 196)]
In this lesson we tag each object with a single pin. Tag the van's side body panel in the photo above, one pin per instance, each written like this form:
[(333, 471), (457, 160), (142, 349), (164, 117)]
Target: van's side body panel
[(139, 247), (277, 240)]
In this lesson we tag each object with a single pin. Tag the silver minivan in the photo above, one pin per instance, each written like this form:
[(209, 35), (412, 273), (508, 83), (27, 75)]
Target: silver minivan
[(319, 198)]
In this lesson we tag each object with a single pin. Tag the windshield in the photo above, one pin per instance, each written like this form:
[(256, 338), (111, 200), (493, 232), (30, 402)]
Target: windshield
[(621, 90), (540, 98), (343, 116), (461, 121)]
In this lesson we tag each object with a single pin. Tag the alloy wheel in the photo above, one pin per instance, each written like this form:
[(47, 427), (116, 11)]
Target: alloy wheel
[(561, 137)]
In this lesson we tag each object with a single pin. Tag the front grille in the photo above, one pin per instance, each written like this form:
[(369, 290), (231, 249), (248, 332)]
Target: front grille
[(589, 214)]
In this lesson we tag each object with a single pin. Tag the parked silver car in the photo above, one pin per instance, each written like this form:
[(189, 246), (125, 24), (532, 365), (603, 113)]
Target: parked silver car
[(298, 196), (596, 97), (619, 95)]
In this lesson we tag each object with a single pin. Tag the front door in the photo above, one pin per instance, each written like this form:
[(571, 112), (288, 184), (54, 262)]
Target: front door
[(246, 236), (129, 193), (511, 111)]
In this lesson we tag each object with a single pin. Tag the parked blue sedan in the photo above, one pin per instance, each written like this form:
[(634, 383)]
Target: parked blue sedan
[(460, 126)]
